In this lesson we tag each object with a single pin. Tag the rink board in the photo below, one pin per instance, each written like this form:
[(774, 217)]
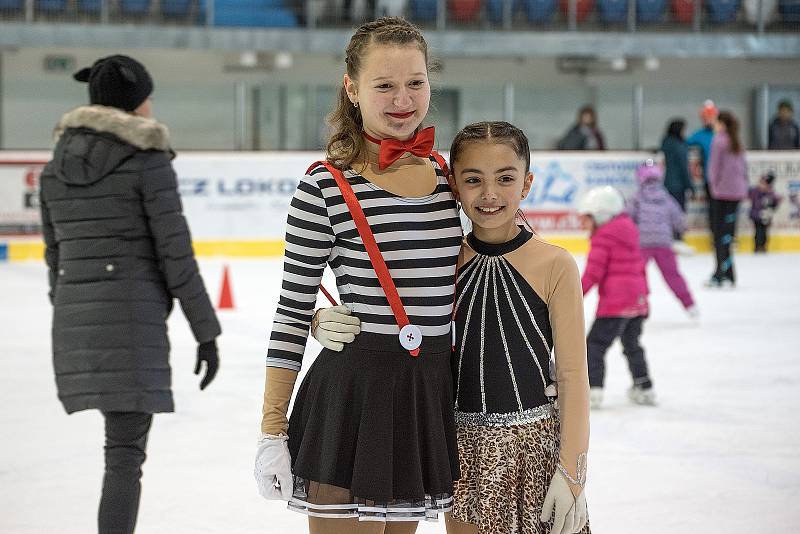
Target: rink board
[(236, 202)]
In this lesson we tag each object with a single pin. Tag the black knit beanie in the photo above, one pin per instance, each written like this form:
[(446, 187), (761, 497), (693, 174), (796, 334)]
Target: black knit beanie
[(117, 81)]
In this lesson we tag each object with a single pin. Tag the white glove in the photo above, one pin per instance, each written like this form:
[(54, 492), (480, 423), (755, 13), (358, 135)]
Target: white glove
[(273, 469), (333, 327), (570, 512)]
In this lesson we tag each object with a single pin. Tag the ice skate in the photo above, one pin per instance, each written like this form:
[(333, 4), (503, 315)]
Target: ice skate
[(719, 283), (595, 398), (642, 396), (682, 248), (693, 312)]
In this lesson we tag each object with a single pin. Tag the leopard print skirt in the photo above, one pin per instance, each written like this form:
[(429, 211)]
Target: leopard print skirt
[(505, 473)]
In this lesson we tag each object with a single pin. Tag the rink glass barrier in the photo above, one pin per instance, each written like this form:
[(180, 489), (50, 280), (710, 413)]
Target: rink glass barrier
[(556, 15), (236, 202)]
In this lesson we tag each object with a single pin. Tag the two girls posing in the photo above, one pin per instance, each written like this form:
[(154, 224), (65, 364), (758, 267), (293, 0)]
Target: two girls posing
[(377, 430)]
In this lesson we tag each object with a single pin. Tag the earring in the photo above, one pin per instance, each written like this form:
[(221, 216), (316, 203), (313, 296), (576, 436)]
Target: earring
[(355, 104)]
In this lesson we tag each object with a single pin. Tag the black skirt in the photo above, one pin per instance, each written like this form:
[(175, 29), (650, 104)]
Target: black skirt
[(372, 433)]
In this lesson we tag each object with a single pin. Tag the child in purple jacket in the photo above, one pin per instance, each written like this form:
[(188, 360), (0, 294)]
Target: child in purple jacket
[(658, 217), (615, 265), (763, 203)]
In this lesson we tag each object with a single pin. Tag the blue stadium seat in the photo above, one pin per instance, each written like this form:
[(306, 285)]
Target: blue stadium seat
[(12, 5), (789, 10), (51, 6), (494, 9), (175, 8), (539, 10), (722, 11), (650, 10), (90, 6), (253, 13), (610, 11), (423, 10), (135, 7)]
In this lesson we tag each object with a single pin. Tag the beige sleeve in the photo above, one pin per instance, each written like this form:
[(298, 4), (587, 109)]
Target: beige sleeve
[(278, 387), (565, 304)]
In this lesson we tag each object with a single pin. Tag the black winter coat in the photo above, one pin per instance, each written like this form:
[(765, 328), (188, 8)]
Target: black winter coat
[(118, 250), (676, 158)]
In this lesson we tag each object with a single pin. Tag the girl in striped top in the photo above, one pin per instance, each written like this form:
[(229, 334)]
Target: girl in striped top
[(372, 434)]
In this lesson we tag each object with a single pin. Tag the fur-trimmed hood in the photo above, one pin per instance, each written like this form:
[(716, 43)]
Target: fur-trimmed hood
[(93, 142), (141, 132)]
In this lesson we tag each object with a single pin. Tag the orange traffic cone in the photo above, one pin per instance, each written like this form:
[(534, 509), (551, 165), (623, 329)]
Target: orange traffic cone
[(225, 294)]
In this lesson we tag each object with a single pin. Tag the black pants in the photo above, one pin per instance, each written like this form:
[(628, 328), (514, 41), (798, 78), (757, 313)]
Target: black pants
[(126, 439), (723, 228), (761, 236), (680, 198), (603, 333)]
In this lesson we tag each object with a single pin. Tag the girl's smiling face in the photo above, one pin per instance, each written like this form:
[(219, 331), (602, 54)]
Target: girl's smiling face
[(490, 180), (392, 90)]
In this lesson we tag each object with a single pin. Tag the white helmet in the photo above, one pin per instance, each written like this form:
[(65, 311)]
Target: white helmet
[(602, 203)]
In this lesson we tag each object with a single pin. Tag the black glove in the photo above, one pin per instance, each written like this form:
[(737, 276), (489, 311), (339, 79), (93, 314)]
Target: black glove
[(207, 352)]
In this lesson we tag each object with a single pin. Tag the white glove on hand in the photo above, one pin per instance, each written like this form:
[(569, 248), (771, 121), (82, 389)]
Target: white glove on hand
[(570, 512), (335, 327), (273, 469)]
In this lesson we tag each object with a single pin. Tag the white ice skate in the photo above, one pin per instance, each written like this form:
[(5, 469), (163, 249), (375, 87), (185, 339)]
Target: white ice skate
[(595, 398), (693, 312), (642, 396), (682, 249)]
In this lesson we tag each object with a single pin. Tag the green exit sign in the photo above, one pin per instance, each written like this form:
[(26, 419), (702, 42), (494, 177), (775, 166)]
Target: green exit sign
[(55, 63)]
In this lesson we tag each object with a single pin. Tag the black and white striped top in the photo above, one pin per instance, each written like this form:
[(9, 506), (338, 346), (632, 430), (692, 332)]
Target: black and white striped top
[(419, 239)]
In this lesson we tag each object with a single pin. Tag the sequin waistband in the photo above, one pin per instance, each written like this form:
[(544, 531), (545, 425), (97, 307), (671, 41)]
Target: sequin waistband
[(505, 419)]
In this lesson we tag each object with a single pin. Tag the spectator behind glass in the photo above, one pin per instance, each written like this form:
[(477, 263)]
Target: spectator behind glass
[(584, 135), (783, 131)]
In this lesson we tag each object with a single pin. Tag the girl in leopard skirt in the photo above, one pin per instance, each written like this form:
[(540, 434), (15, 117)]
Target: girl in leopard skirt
[(522, 437)]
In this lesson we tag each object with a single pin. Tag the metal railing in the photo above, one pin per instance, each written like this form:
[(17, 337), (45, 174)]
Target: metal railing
[(753, 16)]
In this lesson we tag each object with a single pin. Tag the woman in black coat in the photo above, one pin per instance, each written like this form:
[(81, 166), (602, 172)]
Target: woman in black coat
[(676, 159), (119, 251)]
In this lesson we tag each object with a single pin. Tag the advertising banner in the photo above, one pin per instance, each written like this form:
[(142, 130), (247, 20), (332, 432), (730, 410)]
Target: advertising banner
[(244, 196)]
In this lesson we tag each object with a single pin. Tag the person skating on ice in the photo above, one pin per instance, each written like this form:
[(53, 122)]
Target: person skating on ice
[(615, 266), (727, 182), (371, 443), (763, 204), (658, 217), (522, 452)]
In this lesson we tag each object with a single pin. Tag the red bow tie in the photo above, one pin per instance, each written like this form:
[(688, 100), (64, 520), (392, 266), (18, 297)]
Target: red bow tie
[(391, 149)]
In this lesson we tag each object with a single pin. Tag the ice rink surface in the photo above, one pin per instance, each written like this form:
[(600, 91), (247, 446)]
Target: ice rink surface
[(719, 454)]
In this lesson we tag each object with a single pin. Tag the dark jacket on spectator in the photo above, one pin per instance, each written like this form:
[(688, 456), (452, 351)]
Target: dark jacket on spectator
[(118, 251), (582, 137), (783, 135)]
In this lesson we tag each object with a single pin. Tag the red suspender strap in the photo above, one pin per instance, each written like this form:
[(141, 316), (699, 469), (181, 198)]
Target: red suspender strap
[(375, 256), (327, 294), (442, 163)]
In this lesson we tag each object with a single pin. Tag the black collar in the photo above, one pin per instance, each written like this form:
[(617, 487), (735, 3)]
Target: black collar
[(498, 249)]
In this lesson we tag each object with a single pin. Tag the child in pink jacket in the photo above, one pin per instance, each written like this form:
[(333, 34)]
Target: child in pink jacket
[(615, 265)]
